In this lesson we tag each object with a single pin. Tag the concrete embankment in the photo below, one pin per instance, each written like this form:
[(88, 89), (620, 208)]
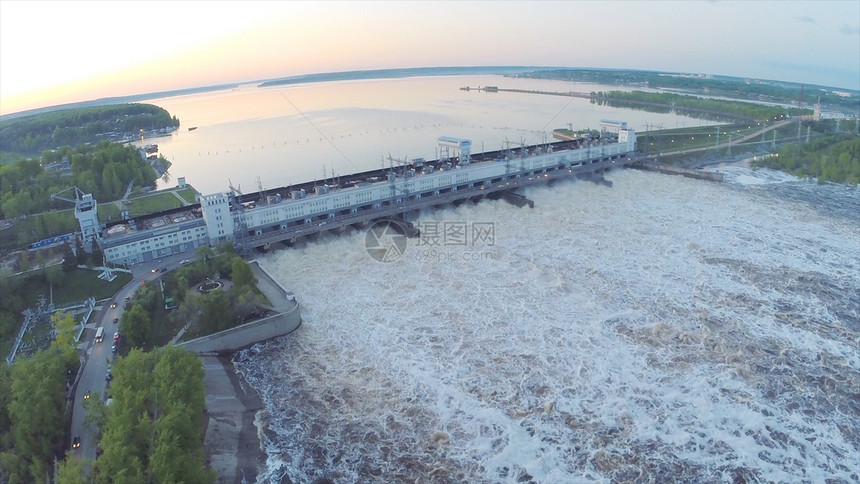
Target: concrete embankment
[(286, 319), (248, 334), (232, 442), (674, 170)]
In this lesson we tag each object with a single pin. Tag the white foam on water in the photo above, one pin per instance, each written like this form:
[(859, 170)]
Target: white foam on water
[(763, 176), (661, 329)]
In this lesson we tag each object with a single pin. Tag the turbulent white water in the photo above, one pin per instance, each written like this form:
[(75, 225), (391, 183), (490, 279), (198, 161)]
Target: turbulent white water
[(663, 329)]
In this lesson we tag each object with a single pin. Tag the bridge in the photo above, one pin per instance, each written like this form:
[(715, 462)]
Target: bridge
[(500, 187)]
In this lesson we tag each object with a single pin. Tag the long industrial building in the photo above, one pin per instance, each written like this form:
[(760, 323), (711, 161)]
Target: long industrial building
[(257, 220)]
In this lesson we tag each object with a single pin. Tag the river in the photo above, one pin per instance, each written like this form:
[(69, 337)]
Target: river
[(281, 135), (663, 329), (660, 330)]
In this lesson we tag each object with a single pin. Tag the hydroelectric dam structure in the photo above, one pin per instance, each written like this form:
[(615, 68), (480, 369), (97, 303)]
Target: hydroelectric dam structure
[(285, 215)]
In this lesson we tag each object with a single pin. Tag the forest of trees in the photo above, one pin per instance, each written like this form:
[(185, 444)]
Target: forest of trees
[(104, 169), (33, 407), (151, 432), (30, 135), (735, 109), (834, 158), (772, 91)]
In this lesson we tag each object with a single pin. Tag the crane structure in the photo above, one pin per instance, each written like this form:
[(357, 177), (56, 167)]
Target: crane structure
[(86, 211)]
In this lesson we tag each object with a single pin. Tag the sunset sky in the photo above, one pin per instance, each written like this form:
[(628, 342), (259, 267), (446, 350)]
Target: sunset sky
[(59, 52)]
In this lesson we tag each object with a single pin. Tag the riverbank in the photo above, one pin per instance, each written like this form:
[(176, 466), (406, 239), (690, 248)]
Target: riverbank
[(231, 442)]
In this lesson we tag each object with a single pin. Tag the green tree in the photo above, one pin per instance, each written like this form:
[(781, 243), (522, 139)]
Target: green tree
[(71, 471), (55, 275), (204, 253), (204, 260), (179, 379), (70, 262), (81, 253), (5, 400), (96, 413), (177, 455), (111, 184), (37, 409), (190, 311), (13, 468), (24, 261), (245, 301), (135, 325), (148, 296), (96, 255), (64, 325), (153, 432), (217, 314), (128, 429), (242, 274)]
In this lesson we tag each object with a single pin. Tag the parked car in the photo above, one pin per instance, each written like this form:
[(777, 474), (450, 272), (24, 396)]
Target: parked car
[(113, 348)]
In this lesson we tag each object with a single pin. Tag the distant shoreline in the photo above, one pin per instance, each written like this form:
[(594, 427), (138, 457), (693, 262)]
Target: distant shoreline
[(302, 79)]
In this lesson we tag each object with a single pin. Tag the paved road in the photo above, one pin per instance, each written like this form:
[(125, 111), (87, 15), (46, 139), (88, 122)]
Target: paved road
[(96, 356), (726, 144)]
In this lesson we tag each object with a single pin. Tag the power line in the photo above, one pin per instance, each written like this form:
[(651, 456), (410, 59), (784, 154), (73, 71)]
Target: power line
[(319, 131)]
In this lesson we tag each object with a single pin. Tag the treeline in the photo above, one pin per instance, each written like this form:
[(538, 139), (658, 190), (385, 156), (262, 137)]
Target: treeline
[(151, 432), (30, 135), (772, 91), (33, 407), (104, 169), (834, 158), (735, 109), (38, 227)]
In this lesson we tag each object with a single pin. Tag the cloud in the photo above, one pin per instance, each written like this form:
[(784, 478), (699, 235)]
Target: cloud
[(849, 30), (805, 19)]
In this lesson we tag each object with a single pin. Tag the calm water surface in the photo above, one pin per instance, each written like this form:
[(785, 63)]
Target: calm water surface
[(288, 134)]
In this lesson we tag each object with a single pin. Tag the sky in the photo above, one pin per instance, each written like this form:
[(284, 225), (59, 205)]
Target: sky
[(68, 51)]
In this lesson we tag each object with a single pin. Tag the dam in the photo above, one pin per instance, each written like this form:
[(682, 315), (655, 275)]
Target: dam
[(285, 215)]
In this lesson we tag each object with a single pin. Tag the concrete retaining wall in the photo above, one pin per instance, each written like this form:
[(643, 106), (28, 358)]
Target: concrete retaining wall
[(674, 170), (246, 335)]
